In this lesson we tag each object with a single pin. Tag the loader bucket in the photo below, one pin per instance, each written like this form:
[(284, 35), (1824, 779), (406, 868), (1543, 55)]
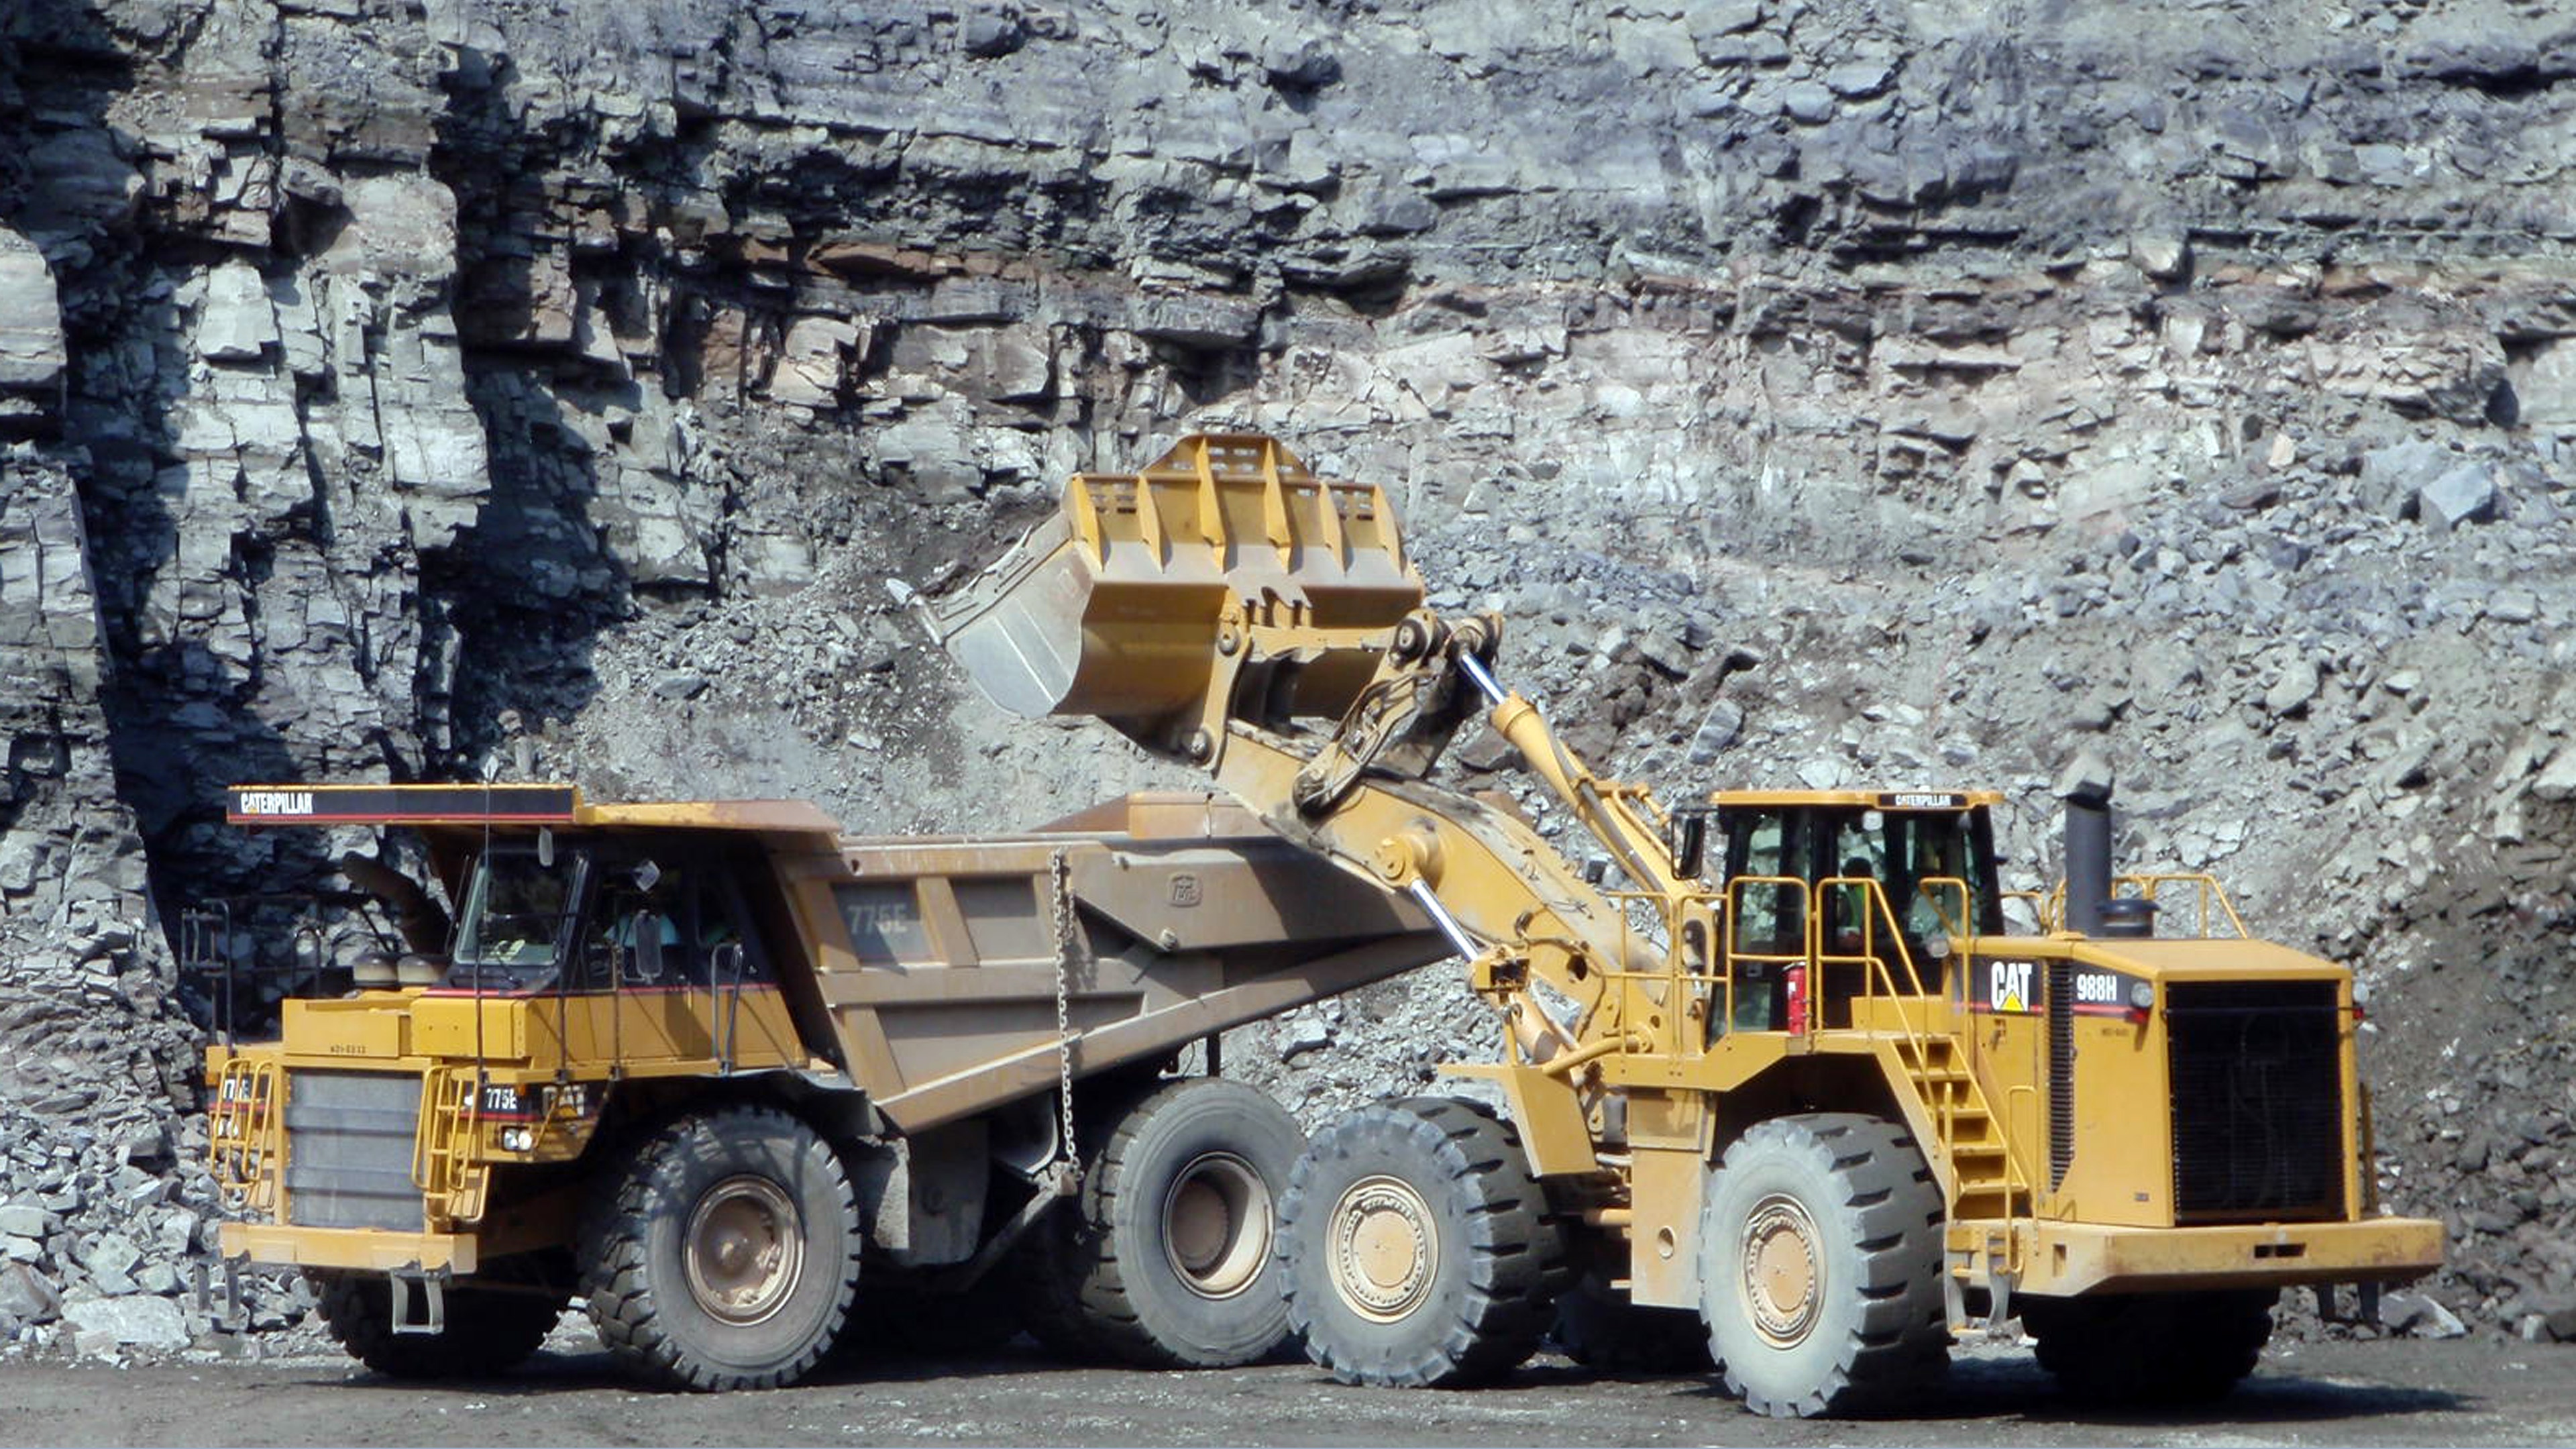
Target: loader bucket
[(1113, 607)]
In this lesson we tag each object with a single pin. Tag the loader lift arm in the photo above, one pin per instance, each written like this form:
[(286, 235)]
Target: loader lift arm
[(1207, 605)]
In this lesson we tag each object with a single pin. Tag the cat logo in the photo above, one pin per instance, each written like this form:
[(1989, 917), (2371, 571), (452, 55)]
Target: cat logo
[(2008, 987)]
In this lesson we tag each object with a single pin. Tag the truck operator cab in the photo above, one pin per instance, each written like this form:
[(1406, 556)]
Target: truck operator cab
[(590, 919)]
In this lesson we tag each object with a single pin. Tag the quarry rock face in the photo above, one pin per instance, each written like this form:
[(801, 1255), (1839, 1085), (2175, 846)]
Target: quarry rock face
[(1826, 394)]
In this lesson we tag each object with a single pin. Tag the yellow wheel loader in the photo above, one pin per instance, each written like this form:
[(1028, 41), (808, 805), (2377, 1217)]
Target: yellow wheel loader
[(1793, 1075)]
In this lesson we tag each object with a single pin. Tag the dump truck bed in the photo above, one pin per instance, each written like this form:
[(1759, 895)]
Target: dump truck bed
[(1156, 921)]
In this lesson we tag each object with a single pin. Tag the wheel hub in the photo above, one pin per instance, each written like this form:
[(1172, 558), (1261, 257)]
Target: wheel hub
[(1383, 1252), (743, 1250), (1783, 1273), (1217, 1225)]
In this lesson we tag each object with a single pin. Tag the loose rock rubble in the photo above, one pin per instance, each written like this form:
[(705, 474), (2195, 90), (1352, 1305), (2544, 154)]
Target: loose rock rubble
[(1824, 393)]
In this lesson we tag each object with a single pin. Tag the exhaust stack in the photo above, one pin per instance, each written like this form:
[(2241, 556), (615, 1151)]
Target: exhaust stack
[(2086, 789)]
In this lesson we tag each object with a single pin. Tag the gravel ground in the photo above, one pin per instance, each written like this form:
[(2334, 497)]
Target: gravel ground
[(2468, 1392)]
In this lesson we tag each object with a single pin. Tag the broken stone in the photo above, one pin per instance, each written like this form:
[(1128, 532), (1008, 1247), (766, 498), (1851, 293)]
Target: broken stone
[(1807, 103), (679, 684), (236, 322), (27, 1295), (106, 1324), (31, 324), (1718, 730), (2297, 684), (2418, 1316), (2465, 494), (2162, 257)]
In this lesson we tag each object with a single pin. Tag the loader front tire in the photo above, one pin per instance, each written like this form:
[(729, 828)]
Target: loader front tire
[(2151, 1348), (1418, 1250), (488, 1330), (725, 1254), (1820, 1266), (1166, 1258)]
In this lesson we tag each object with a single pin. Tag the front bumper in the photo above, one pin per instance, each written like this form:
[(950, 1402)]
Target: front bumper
[(2069, 1258), (374, 1249)]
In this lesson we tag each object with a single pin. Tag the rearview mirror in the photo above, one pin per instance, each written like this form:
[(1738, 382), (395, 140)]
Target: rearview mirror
[(1688, 842), (648, 946)]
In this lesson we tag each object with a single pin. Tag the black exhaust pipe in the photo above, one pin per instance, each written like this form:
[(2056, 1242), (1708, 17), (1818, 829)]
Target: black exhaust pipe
[(2086, 789)]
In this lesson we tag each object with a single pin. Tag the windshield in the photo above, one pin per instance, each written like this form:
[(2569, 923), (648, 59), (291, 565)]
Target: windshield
[(512, 924)]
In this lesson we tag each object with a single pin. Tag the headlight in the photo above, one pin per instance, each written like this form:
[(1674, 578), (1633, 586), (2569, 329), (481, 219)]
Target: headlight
[(2142, 995), (517, 1139)]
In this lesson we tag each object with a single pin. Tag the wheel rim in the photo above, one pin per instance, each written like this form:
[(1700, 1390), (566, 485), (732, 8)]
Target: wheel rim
[(744, 1250), (1783, 1273), (1217, 1225), (1384, 1254)]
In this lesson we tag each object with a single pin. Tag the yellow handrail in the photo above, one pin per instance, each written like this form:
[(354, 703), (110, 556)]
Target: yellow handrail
[(450, 1178), (246, 1130)]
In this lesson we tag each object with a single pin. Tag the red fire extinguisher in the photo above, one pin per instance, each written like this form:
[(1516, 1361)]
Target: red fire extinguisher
[(1796, 991)]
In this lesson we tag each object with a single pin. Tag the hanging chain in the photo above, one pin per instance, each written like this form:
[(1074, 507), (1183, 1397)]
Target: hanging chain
[(1060, 881)]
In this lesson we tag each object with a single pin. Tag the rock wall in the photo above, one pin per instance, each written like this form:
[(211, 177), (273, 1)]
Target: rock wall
[(407, 391)]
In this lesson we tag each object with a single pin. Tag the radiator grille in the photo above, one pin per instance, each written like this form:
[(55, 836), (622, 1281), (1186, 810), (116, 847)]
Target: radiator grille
[(349, 1150), (2257, 1101), (2061, 1071)]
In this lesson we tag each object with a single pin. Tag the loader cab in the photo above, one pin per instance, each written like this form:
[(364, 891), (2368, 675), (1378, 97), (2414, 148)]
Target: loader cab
[(1837, 893)]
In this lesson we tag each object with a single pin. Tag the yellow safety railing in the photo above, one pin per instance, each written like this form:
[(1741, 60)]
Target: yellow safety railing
[(2210, 902), (446, 1162), (2211, 899), (246, 1132)]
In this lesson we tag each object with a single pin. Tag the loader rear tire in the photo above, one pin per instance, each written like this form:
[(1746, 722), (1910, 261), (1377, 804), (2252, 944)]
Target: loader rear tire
[(1418, 1250), (2151, 1348), (1598, 1327), (725, 1255), (489, 1330), (1820, 1266), (1167, 1258)]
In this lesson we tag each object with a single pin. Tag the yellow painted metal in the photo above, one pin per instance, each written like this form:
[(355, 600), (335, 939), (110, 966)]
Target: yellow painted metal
[(451, 1174), (1126, 603), (1551, 1121), (1190, 625), (371, 1249), (371, 1024), (466, 1024), (246, 1125), (2063, 1258)]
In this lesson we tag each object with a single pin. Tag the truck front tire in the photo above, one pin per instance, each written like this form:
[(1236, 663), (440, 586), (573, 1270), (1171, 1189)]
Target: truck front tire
[(1418, 1249), (1820, 1266), (1166, 1257), (725, 1255)]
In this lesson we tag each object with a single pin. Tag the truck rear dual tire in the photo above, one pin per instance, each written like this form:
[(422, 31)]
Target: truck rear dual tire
[(488, 1330), (725, 1255), (1820, 1266), (1419, 1251), (1166, 1258), (2151, 1348)]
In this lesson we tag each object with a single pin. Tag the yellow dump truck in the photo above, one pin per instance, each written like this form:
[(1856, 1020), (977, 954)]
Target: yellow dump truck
[(1792, 1078), (752, 1088)]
